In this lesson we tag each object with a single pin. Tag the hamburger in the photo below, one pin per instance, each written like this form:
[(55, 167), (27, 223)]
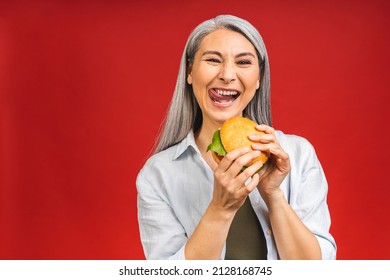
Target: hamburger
[(234, 133)]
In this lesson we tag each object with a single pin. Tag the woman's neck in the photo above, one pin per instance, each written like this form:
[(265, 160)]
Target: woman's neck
[(203, 139)]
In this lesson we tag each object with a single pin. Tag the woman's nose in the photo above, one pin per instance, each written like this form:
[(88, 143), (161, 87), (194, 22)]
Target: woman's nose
[(227, 73)]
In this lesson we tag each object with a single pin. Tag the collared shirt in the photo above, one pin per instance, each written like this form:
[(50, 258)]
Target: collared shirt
[(175, 187)]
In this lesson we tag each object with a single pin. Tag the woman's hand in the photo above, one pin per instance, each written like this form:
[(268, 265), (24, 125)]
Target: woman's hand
[(278, 165), (229, 194), (230, 191)]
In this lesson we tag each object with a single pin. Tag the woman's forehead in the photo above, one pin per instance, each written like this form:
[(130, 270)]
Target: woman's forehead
[(227, 41)]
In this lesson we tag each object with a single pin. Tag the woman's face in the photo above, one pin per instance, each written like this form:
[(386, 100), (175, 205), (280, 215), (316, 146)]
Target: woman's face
[(224, 75)]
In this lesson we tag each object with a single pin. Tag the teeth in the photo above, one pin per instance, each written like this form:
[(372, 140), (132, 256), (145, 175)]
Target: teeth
[(226, 92)]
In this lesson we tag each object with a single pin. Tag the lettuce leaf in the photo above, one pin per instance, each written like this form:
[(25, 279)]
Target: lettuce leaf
[(216, 145)]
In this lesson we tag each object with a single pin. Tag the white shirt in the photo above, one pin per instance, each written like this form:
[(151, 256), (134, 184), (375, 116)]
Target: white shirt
[(175, 187)]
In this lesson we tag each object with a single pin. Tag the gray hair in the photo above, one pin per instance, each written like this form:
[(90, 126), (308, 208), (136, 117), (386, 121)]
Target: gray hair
[(184, 112)]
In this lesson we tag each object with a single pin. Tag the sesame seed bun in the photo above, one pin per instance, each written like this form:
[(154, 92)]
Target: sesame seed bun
[(234, 134)]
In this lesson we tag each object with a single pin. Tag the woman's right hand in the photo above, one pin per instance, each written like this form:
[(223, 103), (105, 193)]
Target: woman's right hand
[(230, 191), (229, 194)]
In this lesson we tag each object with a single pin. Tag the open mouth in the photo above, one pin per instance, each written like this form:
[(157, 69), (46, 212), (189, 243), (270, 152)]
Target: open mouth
[(223, 96)]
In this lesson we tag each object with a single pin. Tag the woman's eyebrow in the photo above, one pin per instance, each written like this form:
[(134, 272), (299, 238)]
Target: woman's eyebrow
[(220, 54), (212, 52), (246, 54)]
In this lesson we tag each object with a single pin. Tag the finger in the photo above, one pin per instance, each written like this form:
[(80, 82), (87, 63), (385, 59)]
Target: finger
[(242, 161), (248, 173), (263, 138), (246, 190), (282, 159), (273, 149), (261, 147), (230, 157), (278, 152), (266, 148), (254, 182), (279, 156), (265, 128)]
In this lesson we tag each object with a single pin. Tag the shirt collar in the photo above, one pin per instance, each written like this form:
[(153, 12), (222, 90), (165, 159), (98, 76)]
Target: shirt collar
[(185, 144)]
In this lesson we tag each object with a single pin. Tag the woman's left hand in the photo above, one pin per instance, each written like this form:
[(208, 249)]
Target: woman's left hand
[(278, 164)]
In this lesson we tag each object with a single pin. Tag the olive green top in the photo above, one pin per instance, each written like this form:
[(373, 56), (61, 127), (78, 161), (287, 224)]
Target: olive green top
[(246, 239)]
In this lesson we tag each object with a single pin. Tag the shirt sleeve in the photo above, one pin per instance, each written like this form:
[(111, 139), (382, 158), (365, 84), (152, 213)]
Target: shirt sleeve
[(162, 235), (308, 195)]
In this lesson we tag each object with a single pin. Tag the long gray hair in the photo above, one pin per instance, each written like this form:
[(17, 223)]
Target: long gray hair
[(184, 112)]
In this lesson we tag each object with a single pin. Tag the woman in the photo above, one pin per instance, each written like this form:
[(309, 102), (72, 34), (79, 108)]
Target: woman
[(192, 208)]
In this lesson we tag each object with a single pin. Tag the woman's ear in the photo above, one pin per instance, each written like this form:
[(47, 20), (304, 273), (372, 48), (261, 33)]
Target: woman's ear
[(189, 71), (189, 76), (257, 84)]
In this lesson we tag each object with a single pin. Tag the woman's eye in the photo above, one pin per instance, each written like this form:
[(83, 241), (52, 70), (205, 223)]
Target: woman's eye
[(213, 60), (244, 62)]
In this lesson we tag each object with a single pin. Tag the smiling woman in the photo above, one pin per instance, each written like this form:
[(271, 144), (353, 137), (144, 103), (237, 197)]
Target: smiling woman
[(190, 206), (224, 74)]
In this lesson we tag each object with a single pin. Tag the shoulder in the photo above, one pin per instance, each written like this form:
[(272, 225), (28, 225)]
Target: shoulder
[(158, 161), (165, 165)]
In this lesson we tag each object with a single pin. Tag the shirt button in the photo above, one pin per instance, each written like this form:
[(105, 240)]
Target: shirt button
[(256, 203), (269, 231)]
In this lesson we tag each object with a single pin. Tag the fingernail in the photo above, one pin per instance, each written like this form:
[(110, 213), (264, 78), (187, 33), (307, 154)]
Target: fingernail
[(246, 149)]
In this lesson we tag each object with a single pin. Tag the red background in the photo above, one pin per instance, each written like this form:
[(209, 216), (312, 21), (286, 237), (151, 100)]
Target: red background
[(84, 87)]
